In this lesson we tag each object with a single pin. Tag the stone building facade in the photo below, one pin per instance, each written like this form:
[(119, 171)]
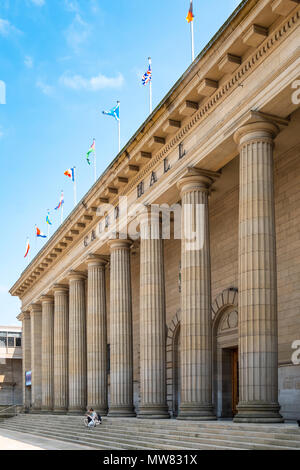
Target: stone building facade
[(10, 366), (149, 325)]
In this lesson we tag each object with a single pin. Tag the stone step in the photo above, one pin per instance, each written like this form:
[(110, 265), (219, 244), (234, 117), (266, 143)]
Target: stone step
[(122, 443), (170, 438), (292, 432), (191, 436)]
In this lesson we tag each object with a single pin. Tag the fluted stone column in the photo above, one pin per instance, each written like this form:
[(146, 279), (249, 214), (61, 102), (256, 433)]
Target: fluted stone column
[(121, 349), (196, 327), (152, 319), (258, 328), (47, 352), (61, 340), (36, 356), (97, 335), (26, 355), (77, 343)]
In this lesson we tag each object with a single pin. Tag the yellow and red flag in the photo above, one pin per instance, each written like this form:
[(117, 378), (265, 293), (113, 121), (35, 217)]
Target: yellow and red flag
[(190, 16), (27, 248)]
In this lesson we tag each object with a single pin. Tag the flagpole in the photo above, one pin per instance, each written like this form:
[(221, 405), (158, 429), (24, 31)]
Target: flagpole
[(150, 87), (95, 164), (192, 40), (75, 188), (62, 208), (119, 127)]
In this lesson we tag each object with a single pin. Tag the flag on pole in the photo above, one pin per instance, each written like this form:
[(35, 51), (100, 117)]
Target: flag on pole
[(147, 77), (40, 234), (114, 112), (91, 150), (61, 202), (190, 16), (70, 172), (48, 221), (27, 248)]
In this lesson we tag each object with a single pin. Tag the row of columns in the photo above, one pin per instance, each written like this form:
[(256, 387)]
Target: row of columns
[(69, 372)]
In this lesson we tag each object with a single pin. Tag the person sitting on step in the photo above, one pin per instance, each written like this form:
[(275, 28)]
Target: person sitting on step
[(92, 418)]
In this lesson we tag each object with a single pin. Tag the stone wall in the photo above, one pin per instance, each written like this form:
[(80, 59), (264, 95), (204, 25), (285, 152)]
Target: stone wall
[(10, 373)]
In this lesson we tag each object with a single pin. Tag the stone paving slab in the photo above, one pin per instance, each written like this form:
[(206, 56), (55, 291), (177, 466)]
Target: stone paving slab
[(14, 440)]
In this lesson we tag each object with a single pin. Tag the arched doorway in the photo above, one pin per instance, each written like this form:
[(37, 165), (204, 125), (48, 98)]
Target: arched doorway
[(173, 364), (225, 354)]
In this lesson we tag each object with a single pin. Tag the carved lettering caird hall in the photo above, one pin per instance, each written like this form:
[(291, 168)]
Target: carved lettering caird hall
[(105, 223), (153, 177)]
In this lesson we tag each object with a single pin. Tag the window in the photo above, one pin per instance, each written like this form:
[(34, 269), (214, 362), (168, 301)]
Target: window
[(3, 339), (13, 339), (10, 340)]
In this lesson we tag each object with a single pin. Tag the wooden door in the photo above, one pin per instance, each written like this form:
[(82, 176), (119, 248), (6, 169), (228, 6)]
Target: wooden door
[(235, 380)]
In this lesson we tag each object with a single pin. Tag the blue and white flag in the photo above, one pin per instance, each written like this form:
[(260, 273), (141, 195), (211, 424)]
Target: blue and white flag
[(114, 112)]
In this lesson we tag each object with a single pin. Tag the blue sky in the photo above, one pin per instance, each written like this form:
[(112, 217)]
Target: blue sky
[(63, 62)]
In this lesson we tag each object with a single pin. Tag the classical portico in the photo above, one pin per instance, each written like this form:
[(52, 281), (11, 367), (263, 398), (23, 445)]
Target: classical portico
[(119, 316)]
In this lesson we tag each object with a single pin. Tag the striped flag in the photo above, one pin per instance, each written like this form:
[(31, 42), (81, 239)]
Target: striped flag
[(91, 150), (190, 16), (61, 202), (70, 172), (39, 234)]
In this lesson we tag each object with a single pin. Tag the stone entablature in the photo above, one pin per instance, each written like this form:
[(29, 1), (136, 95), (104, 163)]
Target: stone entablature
[(214, 81)]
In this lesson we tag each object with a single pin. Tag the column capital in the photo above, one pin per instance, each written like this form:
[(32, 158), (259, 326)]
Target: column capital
[(47, 299), (60, 288), (24, 315), (77, 276), (117, 244), (96, 260), (258, 130), (196, 179), (35, 308)]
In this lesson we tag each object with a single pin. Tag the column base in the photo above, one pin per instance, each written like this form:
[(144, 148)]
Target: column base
[(258, 413), (60, 411), (153, 412), (196, 413), (46, 411), (121, 412), (36, 410), (76, 411), (99, 409)]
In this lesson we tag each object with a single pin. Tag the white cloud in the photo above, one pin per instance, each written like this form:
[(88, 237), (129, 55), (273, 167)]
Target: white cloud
[(6, 28), (38, 3), (99, 82), (72, 5), (46, 89), (77, 33), (28, 61)]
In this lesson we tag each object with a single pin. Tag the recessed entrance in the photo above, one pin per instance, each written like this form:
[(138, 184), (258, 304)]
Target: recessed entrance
[(235, 380), (226, 367), (177, 373)]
